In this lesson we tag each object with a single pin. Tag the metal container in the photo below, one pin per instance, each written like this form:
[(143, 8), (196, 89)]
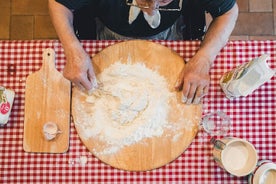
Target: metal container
[(265, 173), (237, 156)]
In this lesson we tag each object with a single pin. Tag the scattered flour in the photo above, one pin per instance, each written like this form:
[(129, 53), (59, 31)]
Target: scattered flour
[(131, 103)]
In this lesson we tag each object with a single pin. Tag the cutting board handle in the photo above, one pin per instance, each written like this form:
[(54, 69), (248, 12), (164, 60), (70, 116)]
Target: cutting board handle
[(48, 59)]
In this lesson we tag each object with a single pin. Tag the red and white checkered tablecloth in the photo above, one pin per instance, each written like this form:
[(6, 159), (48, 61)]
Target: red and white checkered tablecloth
[(253, 118)]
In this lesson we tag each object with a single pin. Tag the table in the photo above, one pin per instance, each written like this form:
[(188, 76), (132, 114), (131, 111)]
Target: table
[(253, 118)]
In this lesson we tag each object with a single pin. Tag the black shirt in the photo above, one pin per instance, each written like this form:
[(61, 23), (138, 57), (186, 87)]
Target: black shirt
[(114, 14)]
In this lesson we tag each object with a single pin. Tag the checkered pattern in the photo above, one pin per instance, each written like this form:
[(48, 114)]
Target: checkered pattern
[(253, 118)]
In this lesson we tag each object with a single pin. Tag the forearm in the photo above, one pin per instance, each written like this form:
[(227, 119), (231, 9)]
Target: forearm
[(218, 34), (78, 67), (62, 19), (194, 78)]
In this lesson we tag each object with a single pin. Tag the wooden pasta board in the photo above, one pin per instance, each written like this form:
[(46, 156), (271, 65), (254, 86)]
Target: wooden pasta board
[(47, 99), (152, 152)]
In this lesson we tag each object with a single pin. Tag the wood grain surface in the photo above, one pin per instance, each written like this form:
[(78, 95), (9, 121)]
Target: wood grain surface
[(153, 152), (47, 99)]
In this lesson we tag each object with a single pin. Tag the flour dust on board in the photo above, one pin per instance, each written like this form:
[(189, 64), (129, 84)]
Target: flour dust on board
[(130, 104)]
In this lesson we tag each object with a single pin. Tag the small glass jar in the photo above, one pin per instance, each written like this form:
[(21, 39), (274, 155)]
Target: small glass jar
[(216, 123)]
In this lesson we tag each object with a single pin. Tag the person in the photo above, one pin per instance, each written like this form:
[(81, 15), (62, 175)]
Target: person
[(145, 19)]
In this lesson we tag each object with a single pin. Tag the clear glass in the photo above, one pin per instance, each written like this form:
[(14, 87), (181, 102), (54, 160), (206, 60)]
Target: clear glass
[(216, 123), (130, 3)]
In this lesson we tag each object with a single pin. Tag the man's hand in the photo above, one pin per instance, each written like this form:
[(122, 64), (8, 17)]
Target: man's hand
[(79, 70), (194, 80)]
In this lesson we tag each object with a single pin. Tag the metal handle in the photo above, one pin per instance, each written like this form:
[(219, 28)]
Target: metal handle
[(218, 144)]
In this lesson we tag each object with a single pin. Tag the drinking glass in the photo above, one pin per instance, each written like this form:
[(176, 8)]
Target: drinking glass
[(216, 123)]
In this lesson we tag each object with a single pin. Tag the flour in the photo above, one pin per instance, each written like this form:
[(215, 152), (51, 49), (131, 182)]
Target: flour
[(236, 156), (131, 104)]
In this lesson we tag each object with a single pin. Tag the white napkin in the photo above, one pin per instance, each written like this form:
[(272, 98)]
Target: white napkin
[(153, 20)]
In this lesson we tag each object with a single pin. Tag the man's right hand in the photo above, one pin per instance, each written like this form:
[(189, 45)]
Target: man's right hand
[(79, 70)]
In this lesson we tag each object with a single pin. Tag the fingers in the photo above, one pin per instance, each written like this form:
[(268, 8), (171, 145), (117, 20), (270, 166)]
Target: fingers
[(86, 82), (192, 90), (92, 78), (200, 93), (193, 93), (79, 70), (194, 81), (188, 92), (78, 85), (179, 82)]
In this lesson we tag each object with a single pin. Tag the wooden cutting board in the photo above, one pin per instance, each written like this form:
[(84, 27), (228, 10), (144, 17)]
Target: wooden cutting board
[(153, 152), (47, 99)]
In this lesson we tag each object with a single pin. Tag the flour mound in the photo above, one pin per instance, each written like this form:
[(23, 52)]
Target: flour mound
[(131, 104)]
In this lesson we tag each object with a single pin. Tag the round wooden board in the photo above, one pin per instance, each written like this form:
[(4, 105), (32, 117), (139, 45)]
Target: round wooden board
[(154, 152)]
